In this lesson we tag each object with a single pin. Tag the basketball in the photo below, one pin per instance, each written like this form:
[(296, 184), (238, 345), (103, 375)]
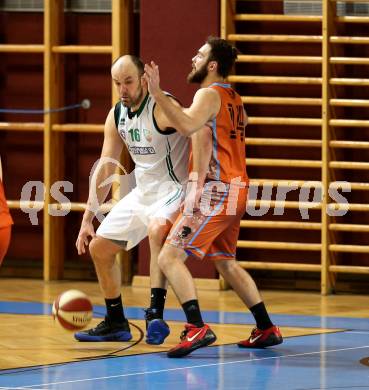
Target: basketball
[(73, 309)]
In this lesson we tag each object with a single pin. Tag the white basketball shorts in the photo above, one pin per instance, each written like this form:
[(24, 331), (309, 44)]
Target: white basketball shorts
[(128, 220)]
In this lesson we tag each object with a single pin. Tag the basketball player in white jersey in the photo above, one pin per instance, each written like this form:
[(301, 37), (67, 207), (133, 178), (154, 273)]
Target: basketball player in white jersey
[(161, 158)]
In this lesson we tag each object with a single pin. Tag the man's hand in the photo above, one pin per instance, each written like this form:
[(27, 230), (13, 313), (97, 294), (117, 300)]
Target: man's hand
[(194, 192), (152, 78), (198, 195), (87, 230)]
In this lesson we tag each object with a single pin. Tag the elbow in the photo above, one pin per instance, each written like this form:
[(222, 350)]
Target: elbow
[(186, 131)]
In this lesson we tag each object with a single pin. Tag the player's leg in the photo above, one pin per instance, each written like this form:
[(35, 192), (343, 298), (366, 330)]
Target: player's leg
[(121, 229), (193, 235), (5, 233), (103, 253), (158, 230), (196, 333), (240, 280), (222, 252), (265, 334), (171, 262), (190, 235), (115, 326), (162, 213), (6, 222), (156, 328)]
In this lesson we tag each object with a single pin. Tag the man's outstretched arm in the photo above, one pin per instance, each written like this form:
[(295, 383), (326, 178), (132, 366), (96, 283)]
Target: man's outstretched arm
[(205, 105)]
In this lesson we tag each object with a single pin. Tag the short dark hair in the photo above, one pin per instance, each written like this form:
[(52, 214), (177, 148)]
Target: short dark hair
[(139, 64), (223, 53)]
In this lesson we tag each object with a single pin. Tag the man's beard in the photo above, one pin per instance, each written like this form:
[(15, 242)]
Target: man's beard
[(134, 102), (198, 76)]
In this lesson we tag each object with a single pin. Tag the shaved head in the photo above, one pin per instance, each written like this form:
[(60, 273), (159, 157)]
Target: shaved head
[(127, 72), (126, 62)]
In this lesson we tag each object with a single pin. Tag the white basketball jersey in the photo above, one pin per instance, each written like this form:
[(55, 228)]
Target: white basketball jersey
[(161, 157)]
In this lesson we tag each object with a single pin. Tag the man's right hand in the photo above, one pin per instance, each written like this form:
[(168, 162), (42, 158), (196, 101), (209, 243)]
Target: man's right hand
[(87, 230), (152, 77)]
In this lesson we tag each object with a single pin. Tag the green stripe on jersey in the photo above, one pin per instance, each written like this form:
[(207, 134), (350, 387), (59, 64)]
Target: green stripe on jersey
[(174, 197), (170, 165)]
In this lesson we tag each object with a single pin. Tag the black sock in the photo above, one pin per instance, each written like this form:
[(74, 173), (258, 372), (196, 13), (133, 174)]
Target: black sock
[(193, 314), (158, 296), (114, 309), (261, 316)]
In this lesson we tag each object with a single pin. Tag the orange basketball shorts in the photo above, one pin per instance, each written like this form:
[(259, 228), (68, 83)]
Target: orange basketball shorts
[(211, 231)]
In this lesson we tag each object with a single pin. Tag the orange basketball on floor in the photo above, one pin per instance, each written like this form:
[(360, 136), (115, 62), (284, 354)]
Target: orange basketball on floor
[(73, 309)]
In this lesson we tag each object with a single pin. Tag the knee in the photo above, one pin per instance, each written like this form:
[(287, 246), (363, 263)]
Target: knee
[(165, 257), (225, 266), (95, 248), (100, 249), (158, 231)]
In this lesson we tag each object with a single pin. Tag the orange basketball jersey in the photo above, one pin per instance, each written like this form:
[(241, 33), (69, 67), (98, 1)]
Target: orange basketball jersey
[(228, 157), (5, 218)]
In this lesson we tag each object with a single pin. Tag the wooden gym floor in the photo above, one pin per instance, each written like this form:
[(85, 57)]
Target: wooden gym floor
[(29, 337)]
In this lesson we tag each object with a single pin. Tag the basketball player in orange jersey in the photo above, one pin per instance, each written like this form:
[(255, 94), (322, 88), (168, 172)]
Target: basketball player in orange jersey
[(5, 221), (211, 232)]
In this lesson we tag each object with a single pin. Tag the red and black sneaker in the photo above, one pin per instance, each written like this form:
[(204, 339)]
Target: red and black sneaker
[(192, 338), (262, 338)]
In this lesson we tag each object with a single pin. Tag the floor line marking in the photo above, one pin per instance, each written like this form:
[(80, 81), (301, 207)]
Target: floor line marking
[(188, 367), (356, 332), (18, 388)]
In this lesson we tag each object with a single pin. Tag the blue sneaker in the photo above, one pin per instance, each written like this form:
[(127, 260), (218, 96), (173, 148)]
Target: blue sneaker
[(157, 330), (106, 331)]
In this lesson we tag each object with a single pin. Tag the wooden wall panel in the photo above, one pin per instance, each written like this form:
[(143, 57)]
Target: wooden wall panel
[(171, 33), (21, 81)]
